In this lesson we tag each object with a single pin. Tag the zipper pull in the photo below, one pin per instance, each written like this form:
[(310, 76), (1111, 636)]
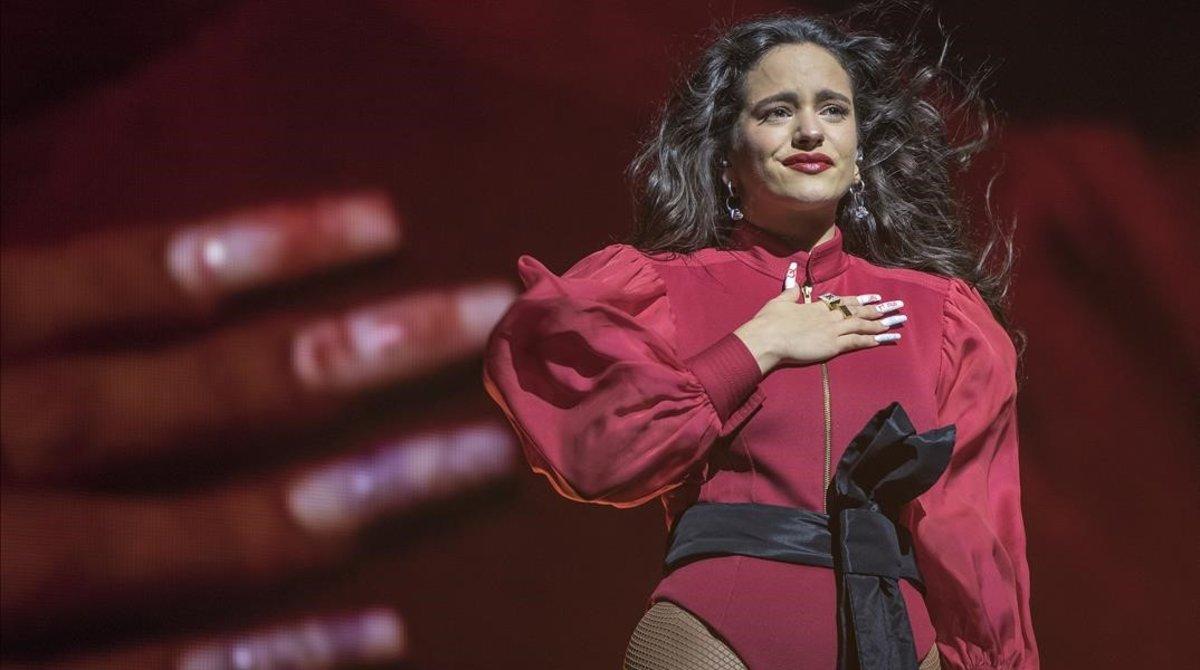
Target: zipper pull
[(789, 281), (808, 287)]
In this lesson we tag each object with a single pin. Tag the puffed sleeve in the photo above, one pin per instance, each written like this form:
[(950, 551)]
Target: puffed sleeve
[(585, 368), (968, 531)]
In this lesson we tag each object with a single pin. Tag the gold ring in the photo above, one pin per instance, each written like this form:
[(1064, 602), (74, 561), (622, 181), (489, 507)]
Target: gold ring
[(832, 301), (845, 310)]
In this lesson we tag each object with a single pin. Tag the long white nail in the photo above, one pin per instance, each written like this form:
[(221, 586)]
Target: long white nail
[(887, 337), (789, 281), (868, 298), (889, 306), (893, 320)]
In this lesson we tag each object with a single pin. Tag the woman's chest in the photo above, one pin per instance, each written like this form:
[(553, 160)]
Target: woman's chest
[(786, 451)]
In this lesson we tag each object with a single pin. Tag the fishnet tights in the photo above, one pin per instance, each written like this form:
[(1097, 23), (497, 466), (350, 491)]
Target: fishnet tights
[(669, 638)]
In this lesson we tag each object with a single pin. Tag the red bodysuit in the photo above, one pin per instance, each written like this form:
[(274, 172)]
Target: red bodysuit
[(625, 383)]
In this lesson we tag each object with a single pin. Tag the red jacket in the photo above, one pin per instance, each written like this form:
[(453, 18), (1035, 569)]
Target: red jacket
[(625, 383)]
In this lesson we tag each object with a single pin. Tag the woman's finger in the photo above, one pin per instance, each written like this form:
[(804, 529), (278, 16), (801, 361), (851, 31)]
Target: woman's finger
[(855, 341), (369, 636), (123, 276), (73, 555), (868, 305), (873, 311), (884, 307), (874, 326), (864, 299), (856, 325), (790, 294), (84, 415)]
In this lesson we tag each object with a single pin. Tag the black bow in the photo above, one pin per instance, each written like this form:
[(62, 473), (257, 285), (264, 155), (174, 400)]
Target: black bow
[(886, 465)]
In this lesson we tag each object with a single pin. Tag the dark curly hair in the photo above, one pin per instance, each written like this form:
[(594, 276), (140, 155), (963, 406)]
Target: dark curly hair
[(902, 103)]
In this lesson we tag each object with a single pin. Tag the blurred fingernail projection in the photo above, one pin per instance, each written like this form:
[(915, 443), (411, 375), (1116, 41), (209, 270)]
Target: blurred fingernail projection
[(479, 308), (385, 341), (258, 246), (371, 636), (397, 477)]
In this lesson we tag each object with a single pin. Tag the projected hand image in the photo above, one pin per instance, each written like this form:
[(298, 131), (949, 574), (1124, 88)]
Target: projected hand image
[(131, 382)]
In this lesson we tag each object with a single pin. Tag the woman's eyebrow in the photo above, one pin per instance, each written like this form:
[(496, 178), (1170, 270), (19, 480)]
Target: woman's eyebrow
[(826, 94), (794, 98), (785, 96)]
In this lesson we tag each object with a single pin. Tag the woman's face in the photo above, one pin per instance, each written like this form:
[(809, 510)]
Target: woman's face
[(798, 101)]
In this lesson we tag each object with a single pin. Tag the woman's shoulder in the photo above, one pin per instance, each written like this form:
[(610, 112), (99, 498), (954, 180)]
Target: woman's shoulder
[(616, 274), (959, 300), (934, 284), (622, 262), (612, 259), (611, 262), (615, 286)]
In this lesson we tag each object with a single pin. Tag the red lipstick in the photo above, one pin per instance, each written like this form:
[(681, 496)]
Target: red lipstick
[(809, 163)]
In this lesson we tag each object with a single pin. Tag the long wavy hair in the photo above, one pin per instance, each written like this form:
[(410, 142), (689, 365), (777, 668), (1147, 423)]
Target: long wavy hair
[(902, 102)]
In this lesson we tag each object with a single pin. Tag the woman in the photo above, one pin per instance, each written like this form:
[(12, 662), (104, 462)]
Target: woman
[(803, 157)]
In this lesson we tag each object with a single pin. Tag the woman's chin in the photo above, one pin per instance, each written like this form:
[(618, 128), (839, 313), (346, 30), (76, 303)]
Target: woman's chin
[(809, 202)]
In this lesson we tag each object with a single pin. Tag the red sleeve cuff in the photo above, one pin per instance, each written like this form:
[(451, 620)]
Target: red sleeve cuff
[(729, 374)]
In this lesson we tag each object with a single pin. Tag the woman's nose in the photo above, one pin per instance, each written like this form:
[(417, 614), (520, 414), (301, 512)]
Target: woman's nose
[(807, 134)]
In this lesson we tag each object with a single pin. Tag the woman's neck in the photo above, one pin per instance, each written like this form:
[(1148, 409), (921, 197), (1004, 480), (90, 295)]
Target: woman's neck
[(800, 231)]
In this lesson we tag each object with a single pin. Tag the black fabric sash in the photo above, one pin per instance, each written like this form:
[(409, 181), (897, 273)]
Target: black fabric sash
[(886, 465)]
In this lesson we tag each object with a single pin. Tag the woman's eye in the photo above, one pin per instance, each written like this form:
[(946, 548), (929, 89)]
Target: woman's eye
[(840, 111), (778, 113)]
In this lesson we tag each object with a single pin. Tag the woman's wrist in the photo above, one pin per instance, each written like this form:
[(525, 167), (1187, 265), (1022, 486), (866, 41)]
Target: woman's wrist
[(756, 340)]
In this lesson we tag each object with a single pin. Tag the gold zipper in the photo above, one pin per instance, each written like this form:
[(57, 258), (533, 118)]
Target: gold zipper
[(827, 406)]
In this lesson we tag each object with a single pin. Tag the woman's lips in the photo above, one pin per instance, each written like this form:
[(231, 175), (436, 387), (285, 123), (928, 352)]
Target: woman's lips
[(809, 168), (809, 163)]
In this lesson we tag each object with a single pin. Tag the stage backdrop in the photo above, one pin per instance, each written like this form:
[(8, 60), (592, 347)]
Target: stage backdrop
[(498, 129)]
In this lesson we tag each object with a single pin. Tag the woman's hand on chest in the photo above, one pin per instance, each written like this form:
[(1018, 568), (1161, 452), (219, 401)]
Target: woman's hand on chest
[(788, 330)]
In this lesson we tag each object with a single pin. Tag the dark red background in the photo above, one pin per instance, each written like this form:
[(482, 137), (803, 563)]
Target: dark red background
[(503, 128)]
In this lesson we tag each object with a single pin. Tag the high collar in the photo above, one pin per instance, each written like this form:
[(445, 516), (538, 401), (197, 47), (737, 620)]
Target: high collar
[(771, 254)]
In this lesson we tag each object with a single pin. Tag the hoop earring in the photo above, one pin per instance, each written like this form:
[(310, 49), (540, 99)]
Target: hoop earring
[(735, 212), (858, 202)]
